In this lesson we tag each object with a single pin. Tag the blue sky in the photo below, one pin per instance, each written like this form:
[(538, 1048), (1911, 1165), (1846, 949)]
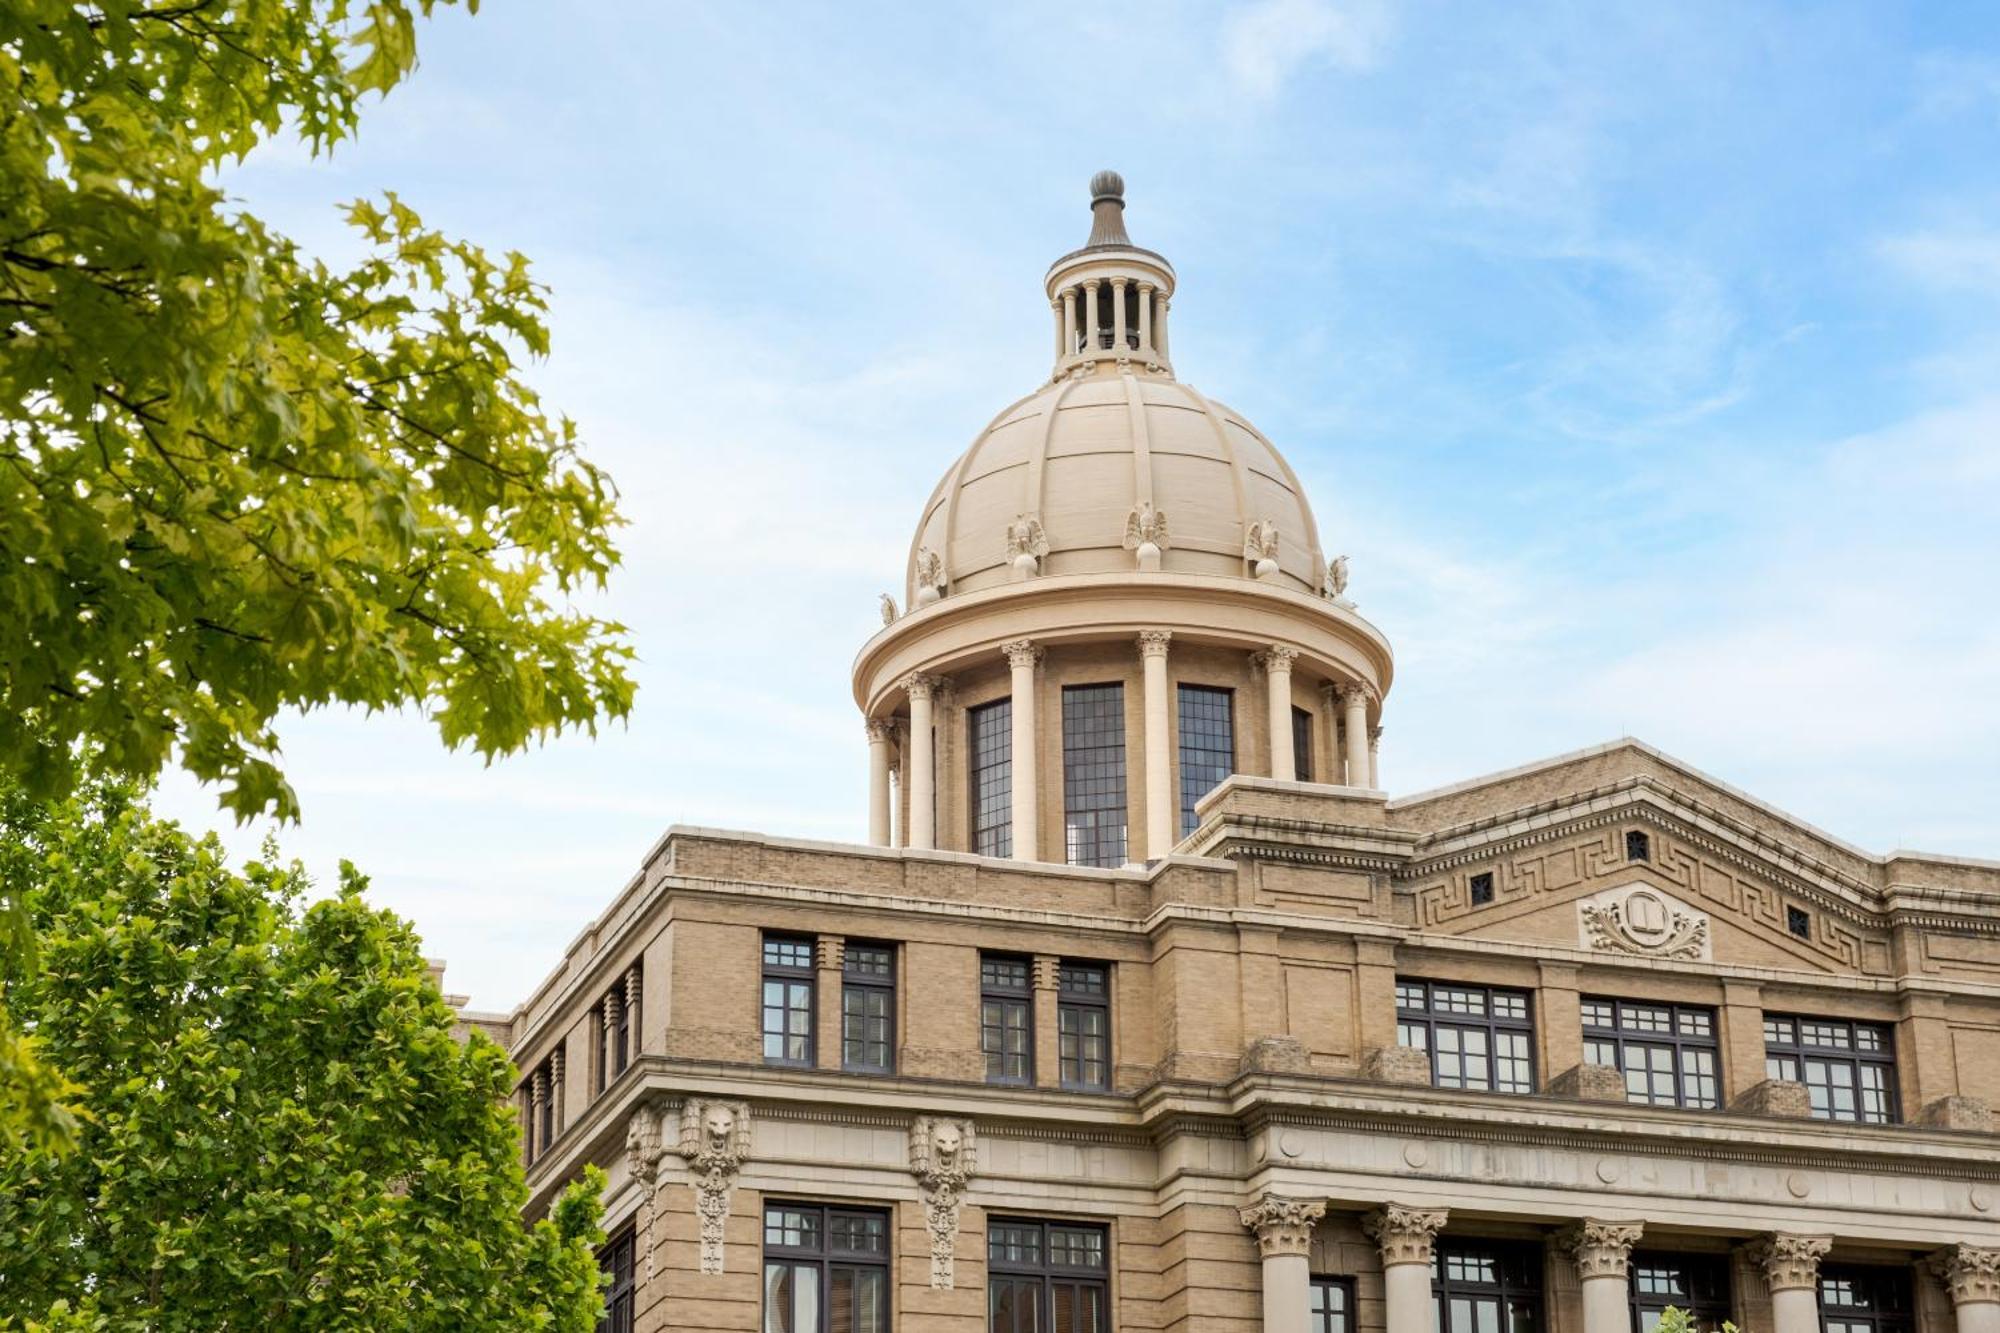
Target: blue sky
[(1645, 358)]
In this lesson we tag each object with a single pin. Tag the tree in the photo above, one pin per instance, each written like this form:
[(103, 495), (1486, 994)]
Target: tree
[(283, 1131)]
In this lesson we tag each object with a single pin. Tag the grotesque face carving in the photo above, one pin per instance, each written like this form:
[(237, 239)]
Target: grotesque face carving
[(717, 1124), (945, 1143)]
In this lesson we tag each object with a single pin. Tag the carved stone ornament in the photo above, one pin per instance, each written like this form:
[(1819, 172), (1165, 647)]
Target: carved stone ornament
[(715, 1142), (1154, 642), (1642, 920), (1275, 658), (1027, 545), (882, 729), (643, 1151), (1022, 653), (1146, 534), (1790, 1262), (930, 576), (1972, 1273), (943, 1157), (889, 612), (1601, 1249), (1260, 548), (1404, 1234), (1335, 587), (1283, 1226)]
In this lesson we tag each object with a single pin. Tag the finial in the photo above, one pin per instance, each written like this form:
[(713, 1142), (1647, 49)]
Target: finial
[(1107, 185), (1107, 210)]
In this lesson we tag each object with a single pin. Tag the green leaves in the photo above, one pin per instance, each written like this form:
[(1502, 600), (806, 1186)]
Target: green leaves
[(284, 1132)]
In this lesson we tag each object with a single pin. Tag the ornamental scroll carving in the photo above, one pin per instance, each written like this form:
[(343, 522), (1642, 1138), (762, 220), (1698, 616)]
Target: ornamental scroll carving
[(1790, 1262), (1283, 1226), (643, 1152), (1404, 1234), (1972, 1273), (943, 1157), (1644, 921), (1601, 1249), (715, 1143)]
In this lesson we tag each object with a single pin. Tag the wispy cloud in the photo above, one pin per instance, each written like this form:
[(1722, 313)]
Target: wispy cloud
[(1266, 44)]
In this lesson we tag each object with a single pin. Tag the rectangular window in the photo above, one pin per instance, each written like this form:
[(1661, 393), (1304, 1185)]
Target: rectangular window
[(543, 1119), (1667, 1052), (1208, 745), (1083, 1021), (1047, 1277), (623, 1029), (1094, 775), (1007, 1018), (615, 1259), (1302, 745), (868, 1009), (1695, 1283), (1856, 1299), (788, 1000), (1479, 1037), (991, 740), (1330, 1307), (1849, 1069), (1486, 1286), (826, 1269)]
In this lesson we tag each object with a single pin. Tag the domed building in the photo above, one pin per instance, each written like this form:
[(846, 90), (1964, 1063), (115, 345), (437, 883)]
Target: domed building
[(1145, 1008)]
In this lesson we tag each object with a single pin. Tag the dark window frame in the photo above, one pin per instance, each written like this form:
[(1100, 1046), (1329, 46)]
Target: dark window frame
[(1702, 1288), (989, 748), (1788, 1056), (1889, 1304), (617, 1259), (1043, 1275), (789, 975), (1321, 1314), (1480, 889), (1638, 845), (1096, 791), (1433, 1021), (1798, 922), (1076, 1000), (859, 979), (1302, 743), (1198, 747), (1006, 998), (1682, 1040), (826, 1256), (1518, 1282)]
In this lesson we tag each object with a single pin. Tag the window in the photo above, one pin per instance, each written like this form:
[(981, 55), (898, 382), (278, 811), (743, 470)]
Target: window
[(826, 1270), (1638, 847), (1046, 1277), (1477, 1036), (615, 1024), (1799, 922), (1854, 1299), (1083, 1025), (868, 1009), (542, 1091), (622, 1031), (1486, 1286), (1849, 1069), (1667, 1052), (1695, 1283), (1094, 775), (1302, 745), (1481, 887), (991, 740), (1330, 1307), (1006, 1019), (1208, 745), (788, 1000), (615, 1260)]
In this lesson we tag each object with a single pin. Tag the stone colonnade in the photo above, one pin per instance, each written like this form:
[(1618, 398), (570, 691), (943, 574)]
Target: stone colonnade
[(1602, 1250), (1355, 765), (1147, 302)]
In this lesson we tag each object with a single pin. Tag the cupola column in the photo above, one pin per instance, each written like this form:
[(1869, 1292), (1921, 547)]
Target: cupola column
[(1090, 313), (923, 776), (880, 732), (1329, 707), (1069, 322), (1159, 762), (1118, 314), (1056, 314), (1146, 317), (1375, 758), (1022, 658), (1354, 704), (1277, 664), (1160, 325)]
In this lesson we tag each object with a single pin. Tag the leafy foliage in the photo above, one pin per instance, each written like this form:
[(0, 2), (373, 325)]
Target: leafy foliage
[(234, 480), (1673, 1319), (284, 1132)]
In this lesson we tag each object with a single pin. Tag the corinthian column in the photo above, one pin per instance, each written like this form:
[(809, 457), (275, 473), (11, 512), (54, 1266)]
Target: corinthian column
[(923, 778), (1791, 1266), (1404, 1236), (1277, 663), (1602, 1251), (880, 731), (1022, 657), (1973, 1275), (1159, 764), (1354, 703), (1284, 1230)]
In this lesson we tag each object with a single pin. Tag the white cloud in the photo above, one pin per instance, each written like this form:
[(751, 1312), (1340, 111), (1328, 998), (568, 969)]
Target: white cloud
[(1265, 44), (1957, 259)]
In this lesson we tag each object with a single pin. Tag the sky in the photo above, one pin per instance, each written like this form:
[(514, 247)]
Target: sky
[(1644, 358)]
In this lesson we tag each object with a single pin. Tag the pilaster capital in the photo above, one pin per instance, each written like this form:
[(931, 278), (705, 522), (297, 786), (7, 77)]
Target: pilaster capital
[(1790, 1261), (1972, 1273), (920, 686), (1404, 1234), (1601, 1249), (830, 952), (882, 729), (1276, 658), (1153, 642), (1022, 653), (1283, 1226), (1047, 971)]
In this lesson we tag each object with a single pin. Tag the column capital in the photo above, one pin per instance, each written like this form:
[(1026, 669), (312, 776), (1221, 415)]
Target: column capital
[(1283, 1226), (920, 686), (1601, 1249), (1404, 1234), (1972, 1273), (1275, 658), (1118, 284), (1355, 694), (1022, 653), (1374, 736), (881, 729), (1153, 642), (1789, 1261), (1146, 287)]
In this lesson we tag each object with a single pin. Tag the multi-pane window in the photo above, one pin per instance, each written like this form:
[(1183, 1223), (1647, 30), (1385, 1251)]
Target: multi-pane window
[(1046, 1277), (1486, 1286), (615, 1259), (1208, 745), (1855, 1299), (991, 740), (788, 1000), (1083, 1025), (1667, 1052), (826, 1270), (615, 1021), (1849, 1069), (1302, 745), (1697, 1284), (1094, 775), (1477, 1036), (1006, 1018), (1330, 1306), (868, 1009)]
